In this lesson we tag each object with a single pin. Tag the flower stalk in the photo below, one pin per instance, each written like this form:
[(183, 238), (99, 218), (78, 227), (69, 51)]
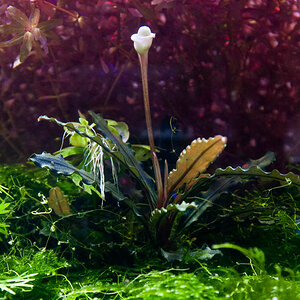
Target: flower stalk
[(142, 42), (143, 58)]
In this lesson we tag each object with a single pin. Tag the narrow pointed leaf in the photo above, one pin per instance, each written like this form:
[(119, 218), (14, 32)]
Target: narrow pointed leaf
[(254, 171), (127, 153), (35, 17), (14, 41), (18, 16), (195, 160), (50, 24), (218, 187), (114, 190), (11, 28), (57, 164), (26, 46)]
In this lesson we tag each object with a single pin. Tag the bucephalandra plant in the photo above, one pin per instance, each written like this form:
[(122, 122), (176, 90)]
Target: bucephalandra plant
[(164, 206), (182, 196), (93, 153)]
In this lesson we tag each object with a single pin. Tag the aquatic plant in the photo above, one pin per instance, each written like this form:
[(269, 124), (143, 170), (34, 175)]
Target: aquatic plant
[(185, 193), (89, 223), (22, 282), (250, 219), (27, 31), (193, 161), (4, 211), (227, 87)]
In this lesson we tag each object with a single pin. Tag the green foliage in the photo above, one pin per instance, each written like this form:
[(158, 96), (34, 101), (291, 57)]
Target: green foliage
[(29, 212), (166, 219), (11, 283), (116, 134), (256, 172), (129, 230), (205, 283), (255, 255), (60, 166), (3, 211), (25, 270), (254, 278)]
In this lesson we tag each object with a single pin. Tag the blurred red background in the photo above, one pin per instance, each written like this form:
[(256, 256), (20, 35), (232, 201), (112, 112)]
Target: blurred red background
[(215, 67)]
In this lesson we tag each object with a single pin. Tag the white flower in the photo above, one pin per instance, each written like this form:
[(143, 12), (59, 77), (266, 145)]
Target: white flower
[(143, 39)]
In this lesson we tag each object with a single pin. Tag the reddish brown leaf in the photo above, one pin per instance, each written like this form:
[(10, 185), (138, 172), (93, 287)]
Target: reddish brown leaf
[(195, 160), (58, 202)]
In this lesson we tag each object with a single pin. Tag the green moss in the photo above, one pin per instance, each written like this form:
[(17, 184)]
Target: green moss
[(103, 254)]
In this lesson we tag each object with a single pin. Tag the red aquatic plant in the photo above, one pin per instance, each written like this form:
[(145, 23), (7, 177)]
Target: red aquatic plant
[(26, 30), (221, 67)]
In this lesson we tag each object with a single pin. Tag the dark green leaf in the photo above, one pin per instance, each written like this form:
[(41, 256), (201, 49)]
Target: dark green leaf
[(257, 172), (114, 190), (59, 165), (129, 160), (158, 215)]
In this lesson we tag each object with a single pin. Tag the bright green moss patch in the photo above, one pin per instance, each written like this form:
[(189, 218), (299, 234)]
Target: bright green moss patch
[(103, 253), (167, 284)]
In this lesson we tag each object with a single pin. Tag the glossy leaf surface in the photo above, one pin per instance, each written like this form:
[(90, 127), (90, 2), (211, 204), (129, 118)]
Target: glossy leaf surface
[(157, 215), (57, 164), (194, 160), (275, 175)]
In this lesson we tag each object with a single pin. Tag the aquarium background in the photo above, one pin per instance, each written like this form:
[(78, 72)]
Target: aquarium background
[(97, 219), (215, 67)]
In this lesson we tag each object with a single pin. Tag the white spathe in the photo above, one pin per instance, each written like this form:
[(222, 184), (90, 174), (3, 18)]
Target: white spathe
[(142, 39)]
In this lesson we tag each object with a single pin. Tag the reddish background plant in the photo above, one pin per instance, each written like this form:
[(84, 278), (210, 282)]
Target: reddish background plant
[(218, 67)]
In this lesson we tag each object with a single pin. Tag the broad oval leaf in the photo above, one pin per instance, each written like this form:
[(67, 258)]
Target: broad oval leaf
[(58, 202), (195, 160), (119, 128)]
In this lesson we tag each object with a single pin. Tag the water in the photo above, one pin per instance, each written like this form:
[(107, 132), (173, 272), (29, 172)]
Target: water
[(216, 67)]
